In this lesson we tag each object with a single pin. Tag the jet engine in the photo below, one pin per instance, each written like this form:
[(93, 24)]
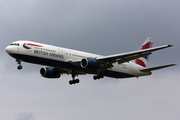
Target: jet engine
[(89, 63), (49, 72)]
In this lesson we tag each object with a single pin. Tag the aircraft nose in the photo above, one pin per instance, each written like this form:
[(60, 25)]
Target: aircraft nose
[(8, 49)]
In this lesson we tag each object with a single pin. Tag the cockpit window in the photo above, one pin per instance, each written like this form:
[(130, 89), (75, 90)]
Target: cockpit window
[(15, 44)]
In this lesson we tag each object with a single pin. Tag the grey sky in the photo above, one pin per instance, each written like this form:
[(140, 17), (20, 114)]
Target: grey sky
[(25, 116), (97, 26)]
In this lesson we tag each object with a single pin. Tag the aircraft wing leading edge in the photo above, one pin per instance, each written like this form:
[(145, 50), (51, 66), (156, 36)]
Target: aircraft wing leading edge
[(125, 57)]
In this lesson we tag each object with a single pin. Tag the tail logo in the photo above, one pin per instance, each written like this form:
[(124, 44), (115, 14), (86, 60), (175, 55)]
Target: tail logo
[(140, 62), (144, 60), (146, 46)]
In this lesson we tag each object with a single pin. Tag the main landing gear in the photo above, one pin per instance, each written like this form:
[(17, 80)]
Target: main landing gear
[(73, 81), (20, 66), (98, 77)]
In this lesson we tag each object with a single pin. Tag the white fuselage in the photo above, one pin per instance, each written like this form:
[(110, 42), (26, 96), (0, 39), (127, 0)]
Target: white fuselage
[(59, 57)]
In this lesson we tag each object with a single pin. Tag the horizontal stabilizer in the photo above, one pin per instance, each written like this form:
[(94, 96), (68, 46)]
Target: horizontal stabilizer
[(156, 68)]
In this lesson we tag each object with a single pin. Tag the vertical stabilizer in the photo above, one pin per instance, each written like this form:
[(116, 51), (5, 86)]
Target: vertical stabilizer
[(142, 61)]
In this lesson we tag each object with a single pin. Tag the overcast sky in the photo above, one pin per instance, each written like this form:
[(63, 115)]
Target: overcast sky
[(98, 26)]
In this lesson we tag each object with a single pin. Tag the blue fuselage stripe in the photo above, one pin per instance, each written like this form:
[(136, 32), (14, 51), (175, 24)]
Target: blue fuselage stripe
[(66, 65)]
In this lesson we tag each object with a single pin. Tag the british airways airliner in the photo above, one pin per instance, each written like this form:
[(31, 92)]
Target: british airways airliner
[(60, 61)]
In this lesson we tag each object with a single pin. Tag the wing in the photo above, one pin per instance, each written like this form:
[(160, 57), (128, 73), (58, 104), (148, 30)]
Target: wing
[(126, 57), (107, 61)]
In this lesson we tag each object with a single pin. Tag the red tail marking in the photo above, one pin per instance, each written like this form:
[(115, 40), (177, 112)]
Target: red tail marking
[(140, 62), (146, 46)]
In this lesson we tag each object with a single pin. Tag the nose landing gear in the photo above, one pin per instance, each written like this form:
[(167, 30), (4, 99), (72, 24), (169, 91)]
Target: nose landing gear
[(20, 66)]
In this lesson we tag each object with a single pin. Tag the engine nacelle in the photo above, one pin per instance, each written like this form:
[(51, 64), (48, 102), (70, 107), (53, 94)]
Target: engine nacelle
[(49, 73), (89, 63)]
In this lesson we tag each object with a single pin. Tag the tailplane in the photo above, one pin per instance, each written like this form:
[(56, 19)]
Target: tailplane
[(142, 61), (156, 68)]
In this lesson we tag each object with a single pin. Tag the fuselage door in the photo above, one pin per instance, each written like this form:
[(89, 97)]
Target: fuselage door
[(17, 45)]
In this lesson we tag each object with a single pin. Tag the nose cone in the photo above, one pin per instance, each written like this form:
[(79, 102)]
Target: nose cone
[(8, 49)]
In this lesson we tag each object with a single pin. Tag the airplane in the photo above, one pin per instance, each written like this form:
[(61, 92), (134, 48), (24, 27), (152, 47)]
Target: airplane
[(60, 60)]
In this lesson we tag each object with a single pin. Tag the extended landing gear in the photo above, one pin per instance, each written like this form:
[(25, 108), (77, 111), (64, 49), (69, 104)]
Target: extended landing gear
[(20, 66), (74, 81), (98, 77)]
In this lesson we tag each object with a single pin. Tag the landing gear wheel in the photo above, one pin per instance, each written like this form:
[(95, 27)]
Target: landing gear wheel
[(101, 76), (98, 77), (70, 82), (77, 81), (95, 77), (74, 81), (19, 67)]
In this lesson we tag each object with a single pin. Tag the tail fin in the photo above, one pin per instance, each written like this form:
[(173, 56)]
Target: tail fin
[(142, 61)]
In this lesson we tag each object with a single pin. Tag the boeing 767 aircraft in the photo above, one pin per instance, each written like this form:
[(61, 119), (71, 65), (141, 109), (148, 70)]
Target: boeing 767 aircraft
[(66, 61)]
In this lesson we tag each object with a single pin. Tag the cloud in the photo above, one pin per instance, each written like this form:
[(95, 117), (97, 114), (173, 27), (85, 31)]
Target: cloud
[(151, 97), (25, 116), (2, 67), (1, 1)]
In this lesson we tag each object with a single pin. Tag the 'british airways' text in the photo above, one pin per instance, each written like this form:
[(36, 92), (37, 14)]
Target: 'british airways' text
[(48, 54)]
